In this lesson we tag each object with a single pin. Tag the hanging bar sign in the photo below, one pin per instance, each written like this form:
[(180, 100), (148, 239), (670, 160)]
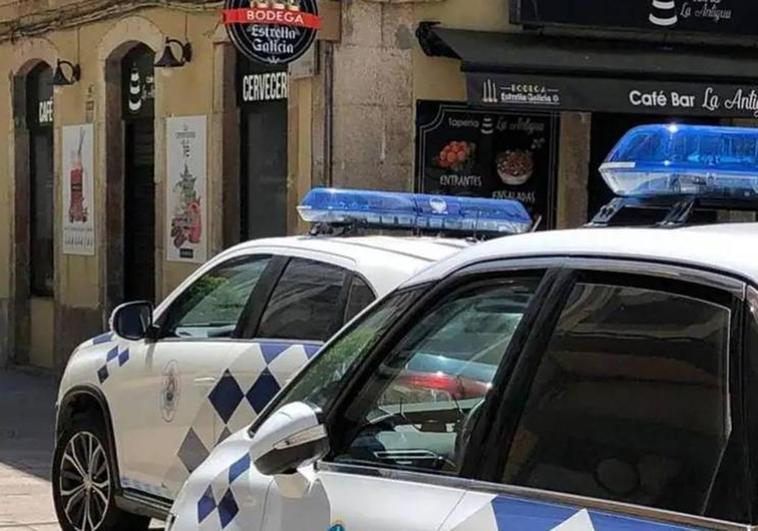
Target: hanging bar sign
[(275, 32)]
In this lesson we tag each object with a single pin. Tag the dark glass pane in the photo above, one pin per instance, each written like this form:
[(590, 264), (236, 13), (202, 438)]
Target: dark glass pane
[(320, 383), (137, 109), (305, 304), (139, 211), (212, 306), (417, 407), (263, 183), (630, 400), (360, 296), (39, 97)]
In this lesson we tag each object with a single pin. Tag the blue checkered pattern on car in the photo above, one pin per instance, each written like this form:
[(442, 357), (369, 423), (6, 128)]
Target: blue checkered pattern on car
[(239, 395), (115, 358), (516, 514), (227, 506), (103, 338)]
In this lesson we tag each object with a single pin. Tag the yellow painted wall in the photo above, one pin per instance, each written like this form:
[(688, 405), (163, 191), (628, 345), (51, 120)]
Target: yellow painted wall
[(41, 348), (183, 91), (6, 185), (437, 78)]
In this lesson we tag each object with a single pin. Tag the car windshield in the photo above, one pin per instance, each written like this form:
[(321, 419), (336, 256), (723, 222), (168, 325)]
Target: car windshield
[(319, 381)]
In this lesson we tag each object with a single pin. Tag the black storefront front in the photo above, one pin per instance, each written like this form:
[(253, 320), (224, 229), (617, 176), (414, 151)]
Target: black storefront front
[(39, 120), (538, 75), (262, 95)]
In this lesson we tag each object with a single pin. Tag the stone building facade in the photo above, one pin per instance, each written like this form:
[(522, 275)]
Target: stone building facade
[(358, 112)]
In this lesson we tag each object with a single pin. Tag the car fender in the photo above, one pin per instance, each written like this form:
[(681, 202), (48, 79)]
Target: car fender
[(226, 475)]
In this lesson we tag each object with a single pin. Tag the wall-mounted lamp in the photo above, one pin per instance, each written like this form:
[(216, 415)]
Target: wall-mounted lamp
[(60, 79), (169, 60)]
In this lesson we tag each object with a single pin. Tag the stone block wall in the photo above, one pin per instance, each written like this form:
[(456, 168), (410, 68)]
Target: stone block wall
[(373, 96)]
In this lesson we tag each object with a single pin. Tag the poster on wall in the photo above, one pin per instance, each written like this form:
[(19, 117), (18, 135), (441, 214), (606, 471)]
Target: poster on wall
[(78, 189), (186, 192), (481, 153)]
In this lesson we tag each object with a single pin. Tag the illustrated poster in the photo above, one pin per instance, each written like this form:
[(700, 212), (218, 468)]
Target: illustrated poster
[(186, 193), (78, 190)]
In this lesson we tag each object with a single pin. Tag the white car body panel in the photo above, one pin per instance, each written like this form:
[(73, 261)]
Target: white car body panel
[(130, 374), (340, 502), (374, 503), (729, 248)]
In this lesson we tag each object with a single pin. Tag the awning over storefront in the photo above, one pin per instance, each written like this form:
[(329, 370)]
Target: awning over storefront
[(517, 52), (562, 73)]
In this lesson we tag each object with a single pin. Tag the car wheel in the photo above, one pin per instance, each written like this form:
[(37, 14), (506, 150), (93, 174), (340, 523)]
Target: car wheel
[(84, 483)]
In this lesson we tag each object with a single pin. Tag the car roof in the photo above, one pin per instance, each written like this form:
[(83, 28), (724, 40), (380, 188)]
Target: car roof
[(729, 248), (385, 261)]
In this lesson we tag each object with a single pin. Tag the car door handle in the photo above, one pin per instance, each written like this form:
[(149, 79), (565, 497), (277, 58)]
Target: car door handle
[(205, 381)]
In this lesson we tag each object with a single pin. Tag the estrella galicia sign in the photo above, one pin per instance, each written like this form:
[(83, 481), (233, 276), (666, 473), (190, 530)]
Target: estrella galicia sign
[(272, 31)]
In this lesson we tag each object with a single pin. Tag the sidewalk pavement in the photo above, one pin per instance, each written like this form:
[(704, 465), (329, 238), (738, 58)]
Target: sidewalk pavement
[(27, 425), (27, 417)]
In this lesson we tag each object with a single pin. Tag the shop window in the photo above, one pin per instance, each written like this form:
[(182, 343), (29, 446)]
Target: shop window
[(39, 116)]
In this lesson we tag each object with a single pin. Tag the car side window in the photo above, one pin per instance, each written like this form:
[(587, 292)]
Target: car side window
[(360, 297), (214, 303), (320, 382), (630, 400), (306, 302), (418, 405)]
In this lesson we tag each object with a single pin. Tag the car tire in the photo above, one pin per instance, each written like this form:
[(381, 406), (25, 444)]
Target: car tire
[(84, 481)]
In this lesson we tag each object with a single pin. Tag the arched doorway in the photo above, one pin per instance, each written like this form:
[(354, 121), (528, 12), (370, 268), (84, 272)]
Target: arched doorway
[(34, 288), (39, 117), (138, 114)]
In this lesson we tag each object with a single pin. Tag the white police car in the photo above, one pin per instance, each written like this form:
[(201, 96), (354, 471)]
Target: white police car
[(142, 406), (594, 379)]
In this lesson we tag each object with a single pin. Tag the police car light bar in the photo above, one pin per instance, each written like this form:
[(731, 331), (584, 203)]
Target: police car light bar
[(666, 160), (387, 210)]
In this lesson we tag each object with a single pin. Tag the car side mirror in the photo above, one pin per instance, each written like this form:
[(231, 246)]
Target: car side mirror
[(292, 437), (133, 320)]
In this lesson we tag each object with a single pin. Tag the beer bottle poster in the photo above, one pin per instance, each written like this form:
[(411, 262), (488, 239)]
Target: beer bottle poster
[(187, 190), (78, 189), (466, 151)]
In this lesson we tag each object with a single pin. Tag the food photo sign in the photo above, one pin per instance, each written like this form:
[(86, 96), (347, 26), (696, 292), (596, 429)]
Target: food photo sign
[(479, 153), (186, 194), (272, 32), (78, 189)]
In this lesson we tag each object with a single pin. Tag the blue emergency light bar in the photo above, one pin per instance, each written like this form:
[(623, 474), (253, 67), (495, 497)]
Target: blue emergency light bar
[(388, 210), (666, 160)]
